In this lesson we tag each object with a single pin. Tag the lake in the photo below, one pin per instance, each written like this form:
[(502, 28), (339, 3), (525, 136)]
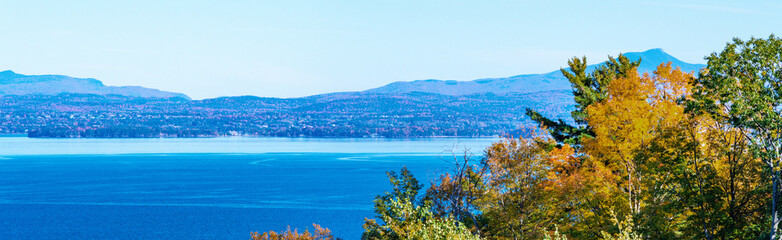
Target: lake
[(204, 188)]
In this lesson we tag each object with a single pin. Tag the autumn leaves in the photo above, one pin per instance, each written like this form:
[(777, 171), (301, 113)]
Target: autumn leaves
[(662, 155)]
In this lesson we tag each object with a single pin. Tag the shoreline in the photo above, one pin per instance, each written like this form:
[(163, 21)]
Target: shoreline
[(252, 136)]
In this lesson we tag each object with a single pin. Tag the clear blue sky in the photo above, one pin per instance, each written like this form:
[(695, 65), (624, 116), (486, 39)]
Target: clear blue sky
[(298, 48)]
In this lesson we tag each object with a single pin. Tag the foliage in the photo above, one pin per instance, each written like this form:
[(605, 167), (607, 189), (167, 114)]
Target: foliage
[(721, 184), (742, 87), (626, 231), (636, 111), (661, 155), (513, 203), (457, 192), (554, 236), (501, 196), (649, 169), (319, 234), (588, 88), (402, 218), (407, 221)]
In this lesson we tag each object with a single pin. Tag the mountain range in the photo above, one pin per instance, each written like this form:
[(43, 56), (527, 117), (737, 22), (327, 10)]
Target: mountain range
[(527, 83), (12, 83)]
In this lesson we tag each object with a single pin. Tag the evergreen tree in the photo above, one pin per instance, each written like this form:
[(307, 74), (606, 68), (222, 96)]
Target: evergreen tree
[(588, 88)]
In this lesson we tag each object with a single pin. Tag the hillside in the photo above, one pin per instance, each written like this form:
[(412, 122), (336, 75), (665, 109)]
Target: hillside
[(354, 115)]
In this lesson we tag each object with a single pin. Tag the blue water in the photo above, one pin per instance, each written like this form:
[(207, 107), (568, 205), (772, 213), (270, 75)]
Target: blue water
[(218, 188)]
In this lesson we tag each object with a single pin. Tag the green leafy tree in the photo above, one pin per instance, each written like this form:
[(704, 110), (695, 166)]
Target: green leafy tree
[(718, 182), (407, 221), (403, 218), (742, 86)]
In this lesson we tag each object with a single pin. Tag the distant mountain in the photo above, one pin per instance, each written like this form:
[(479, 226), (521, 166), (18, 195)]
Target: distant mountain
[(652, 58), (12, 83), (527, 83)]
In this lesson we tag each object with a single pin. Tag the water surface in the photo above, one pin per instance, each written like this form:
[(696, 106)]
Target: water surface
[(215, 188)]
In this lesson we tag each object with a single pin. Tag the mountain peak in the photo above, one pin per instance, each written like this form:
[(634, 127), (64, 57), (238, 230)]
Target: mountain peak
[(7, 73), (656, 51), (651, 58)]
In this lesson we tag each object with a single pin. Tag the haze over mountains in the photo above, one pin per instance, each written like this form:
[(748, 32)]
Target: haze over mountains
[(12, 83)]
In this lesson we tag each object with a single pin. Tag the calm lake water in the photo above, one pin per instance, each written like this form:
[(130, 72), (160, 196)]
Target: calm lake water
[(210, 188)]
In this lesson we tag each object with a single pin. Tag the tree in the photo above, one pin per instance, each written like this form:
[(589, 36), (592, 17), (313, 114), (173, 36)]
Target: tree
[(457, 193), (588, 88), (637, 133), (575, 186), (408, 221), (403, 216), (319, 234), (503, 196), (720, 183), (742, 86), (515, 201)]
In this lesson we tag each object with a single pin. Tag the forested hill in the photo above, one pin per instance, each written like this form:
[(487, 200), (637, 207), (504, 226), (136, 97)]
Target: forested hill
[(338, 115)]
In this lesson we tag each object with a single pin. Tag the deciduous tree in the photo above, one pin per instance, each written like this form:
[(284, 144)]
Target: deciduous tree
[(320, 233), (742, 86)]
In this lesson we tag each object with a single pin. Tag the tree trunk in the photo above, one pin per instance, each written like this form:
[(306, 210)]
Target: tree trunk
[(774, 212)]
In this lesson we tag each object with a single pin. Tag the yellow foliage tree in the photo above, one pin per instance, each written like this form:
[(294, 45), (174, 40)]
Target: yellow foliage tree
[(637, 111), (514, 203)]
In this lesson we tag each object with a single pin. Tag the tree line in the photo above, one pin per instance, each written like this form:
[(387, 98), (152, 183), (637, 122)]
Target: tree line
[(662, 155)]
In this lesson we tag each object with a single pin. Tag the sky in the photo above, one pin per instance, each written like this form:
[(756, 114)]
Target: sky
[(293, 48)]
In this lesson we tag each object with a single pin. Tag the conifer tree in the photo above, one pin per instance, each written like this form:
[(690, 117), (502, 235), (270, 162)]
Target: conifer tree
[(588, 88)]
